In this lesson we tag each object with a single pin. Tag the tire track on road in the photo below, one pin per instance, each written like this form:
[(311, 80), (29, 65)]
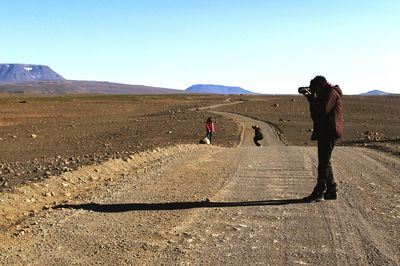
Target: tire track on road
[(157, 215)]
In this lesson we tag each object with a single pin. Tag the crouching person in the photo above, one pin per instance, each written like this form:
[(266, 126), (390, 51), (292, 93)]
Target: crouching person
[(258, 136)]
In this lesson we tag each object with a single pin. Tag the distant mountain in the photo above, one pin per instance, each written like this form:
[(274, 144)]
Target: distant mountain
[(39, 79), (58, 87), (217, 89), (375, 93), (11, 73)]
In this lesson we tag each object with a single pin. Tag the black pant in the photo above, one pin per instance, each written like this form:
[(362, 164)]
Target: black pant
[(325, 180), (209, 135), (256, 141)]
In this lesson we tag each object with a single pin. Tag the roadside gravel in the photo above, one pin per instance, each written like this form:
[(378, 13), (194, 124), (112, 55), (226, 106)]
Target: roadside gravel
[(206, 205)]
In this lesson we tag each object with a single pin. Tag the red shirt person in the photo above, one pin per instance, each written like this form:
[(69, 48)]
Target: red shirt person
[(210, 127)]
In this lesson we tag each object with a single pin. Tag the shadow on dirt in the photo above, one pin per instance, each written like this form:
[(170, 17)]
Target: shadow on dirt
[(174, 205), (387, 145)]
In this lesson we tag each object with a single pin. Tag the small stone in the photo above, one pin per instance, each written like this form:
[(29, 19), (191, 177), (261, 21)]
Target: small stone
[(46, 194), (20, 233), (34, 136)]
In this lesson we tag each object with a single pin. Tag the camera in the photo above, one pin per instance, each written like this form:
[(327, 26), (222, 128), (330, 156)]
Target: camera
[(304, 90)]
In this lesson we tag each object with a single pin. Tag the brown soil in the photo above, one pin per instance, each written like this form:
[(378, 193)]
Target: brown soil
[(229, 203), (369, 121), (72, 131)]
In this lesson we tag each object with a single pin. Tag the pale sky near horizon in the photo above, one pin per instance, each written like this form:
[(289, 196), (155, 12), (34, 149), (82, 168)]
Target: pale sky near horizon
[(262, 46)]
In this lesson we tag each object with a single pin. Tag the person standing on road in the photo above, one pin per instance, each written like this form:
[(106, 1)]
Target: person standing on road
[(326, 110), (258, 135), (210, 127)]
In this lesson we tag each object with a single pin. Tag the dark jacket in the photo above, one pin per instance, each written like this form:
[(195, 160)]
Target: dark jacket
[(326, 109), (258, 134)]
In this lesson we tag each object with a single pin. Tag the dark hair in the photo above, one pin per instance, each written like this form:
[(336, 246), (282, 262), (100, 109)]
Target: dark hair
[(318, 82), (210, 119)]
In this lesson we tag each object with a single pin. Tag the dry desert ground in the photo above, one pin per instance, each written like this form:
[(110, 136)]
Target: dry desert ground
[(121, 180)]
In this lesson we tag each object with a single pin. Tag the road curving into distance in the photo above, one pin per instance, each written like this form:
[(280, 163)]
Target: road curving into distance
[(202, 205)]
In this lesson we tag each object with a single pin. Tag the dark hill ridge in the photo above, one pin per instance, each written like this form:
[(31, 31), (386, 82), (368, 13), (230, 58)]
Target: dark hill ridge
[(217, 89), (59, 87), (11, 73), (376, 93)]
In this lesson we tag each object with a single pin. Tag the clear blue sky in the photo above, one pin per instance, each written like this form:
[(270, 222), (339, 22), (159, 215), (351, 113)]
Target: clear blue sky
[(264, 46)]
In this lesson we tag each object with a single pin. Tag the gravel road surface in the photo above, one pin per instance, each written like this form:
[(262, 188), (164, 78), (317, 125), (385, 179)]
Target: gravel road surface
[(209, 205)]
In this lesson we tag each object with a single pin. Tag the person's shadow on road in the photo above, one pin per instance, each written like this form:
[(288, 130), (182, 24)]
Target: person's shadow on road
[(125, 207)]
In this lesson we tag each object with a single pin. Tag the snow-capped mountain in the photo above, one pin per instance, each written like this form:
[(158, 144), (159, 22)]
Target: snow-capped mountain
[(10, 73)]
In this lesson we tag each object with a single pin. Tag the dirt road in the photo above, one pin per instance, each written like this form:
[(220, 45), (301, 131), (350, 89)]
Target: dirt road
[(206, 205)]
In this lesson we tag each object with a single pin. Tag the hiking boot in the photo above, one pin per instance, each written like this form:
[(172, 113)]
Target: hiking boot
[(314, 197), (330, 195)]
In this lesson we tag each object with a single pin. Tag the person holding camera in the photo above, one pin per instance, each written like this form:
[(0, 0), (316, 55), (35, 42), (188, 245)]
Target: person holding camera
[(326, 110), (258, 135)]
